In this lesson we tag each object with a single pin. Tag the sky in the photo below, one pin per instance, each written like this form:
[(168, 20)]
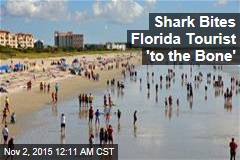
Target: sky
[(99, 21)]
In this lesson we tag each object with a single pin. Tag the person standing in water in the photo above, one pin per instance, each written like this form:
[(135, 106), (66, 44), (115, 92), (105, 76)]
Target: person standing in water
[(91, 140), (233, 146), (101, 136), (90, 116), (56, 87), (53, 97), (80, 100), (97, 113), (10, 147), (119, 115), (5, 134), (148, 86), (110, 134), (4, 119), (56, 97), (63, 122), (13, 118), (134, 118)]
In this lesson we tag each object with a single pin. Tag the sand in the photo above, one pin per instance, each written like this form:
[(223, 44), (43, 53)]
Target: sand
[(25, 102)]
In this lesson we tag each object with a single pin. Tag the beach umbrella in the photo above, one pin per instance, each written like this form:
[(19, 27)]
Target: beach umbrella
[(5, 68), (18, 65)]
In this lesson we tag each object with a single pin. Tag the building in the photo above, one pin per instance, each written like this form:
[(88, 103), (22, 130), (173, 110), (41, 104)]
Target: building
[(18, 40), (116, 45), (38, 44), (68, 40)]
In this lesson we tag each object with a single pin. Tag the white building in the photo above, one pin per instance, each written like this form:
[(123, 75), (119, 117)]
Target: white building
[(116, 45)]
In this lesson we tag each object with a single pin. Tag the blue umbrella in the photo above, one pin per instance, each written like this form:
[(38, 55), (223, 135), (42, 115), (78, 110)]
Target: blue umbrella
[(5, 68), (18, 65)]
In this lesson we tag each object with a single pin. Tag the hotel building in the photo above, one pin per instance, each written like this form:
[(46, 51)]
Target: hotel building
[(18, 40), (68, 40)]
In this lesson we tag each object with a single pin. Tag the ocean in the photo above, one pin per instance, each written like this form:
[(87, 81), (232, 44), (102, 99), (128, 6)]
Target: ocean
[(198, 130)]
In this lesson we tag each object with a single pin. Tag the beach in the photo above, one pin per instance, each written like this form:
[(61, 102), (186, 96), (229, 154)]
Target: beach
[(24, 103), (201, 129)]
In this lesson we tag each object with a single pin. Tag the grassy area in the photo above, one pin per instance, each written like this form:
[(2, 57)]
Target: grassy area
[(31, 55)]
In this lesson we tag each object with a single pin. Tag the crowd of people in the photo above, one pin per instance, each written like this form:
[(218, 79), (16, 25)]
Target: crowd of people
[(86, 102)]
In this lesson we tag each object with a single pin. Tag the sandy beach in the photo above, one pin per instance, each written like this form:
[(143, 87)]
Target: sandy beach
[(25, 103)]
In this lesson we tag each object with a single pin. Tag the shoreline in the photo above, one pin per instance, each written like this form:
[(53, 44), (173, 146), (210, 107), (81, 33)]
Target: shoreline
[(25, 103)]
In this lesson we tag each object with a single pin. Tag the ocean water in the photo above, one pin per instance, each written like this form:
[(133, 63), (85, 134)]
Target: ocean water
[(198, 130)]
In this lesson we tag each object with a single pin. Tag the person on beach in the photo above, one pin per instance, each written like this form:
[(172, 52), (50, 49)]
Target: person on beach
[(48, 87), (4, 119), (97, 121), (105, 100), (161, 78), (110, 134), (134, 118), (86, 100), (91, 140), (7, 103), (90, 99), (10, 147), (166, 102), (91, 111), (53, 97), (107, 118), (56, 87), (206, 92), (170, 100), (41, 86), (5, 134), (29, 85), (119, 115), (101, 136), (233, 146), (56, 97), (148, 86), (177, 102), (44, 87), (80, 100), (63, 122), (13, 118), (109, 99), (105, 136)]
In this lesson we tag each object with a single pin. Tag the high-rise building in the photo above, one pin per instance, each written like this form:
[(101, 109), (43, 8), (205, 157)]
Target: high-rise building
[(18, 40), (68, 40)]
